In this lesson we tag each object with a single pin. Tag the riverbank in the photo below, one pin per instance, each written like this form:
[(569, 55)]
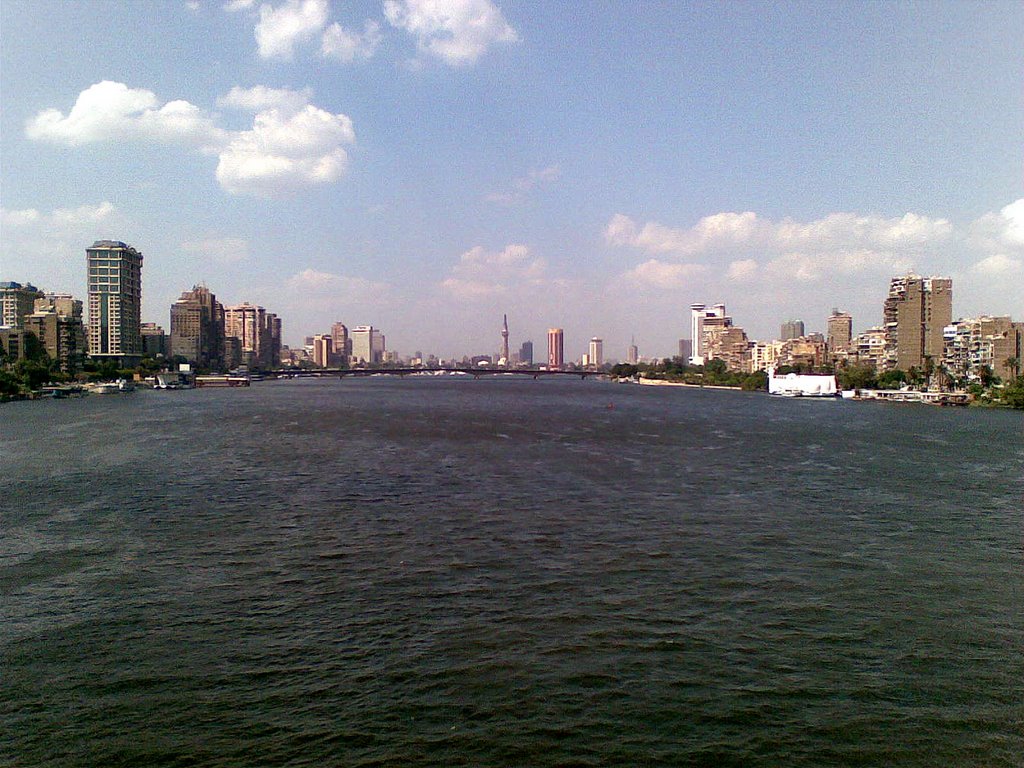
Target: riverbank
[(663, 383)]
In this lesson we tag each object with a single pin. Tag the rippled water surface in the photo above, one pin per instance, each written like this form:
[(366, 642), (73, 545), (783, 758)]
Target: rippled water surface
[(508, 573)]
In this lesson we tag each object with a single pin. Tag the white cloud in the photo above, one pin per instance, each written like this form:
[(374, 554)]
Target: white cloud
[(522, 186), (906, 232), (192, 5), (720, 230), (621, 230), (61, 219), (292, 144), (222, 250), (233, 6), (346, 46), (260, 97), (283, 152), (744, 269), (840, 243), (999, 265), (109, 111), (456, 31), (318, 285), (663, 274), (733, 231), (280, 29), (1003, 231), (481, 273), (469, 290), (18, 218)]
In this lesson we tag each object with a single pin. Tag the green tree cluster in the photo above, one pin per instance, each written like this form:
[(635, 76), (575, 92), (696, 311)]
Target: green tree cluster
[(714, 373)]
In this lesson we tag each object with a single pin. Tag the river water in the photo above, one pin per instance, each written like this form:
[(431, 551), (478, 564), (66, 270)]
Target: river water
[(441, 572)]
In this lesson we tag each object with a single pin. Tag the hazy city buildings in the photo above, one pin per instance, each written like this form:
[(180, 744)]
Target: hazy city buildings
[(17, 302), (12, 343), (791, 329), (322, 350), (154, 341), (198, 328), (915, 314), (57, 323), (526, 353), (633, 353), (839, 332), (246, 322), (868, 348), (727, 343), (556, 348), (686, 349), (341, 345), (367, 345), (258, 335), (972, 344), (809, 352), (271, 355), (595, 352), (115, 301)]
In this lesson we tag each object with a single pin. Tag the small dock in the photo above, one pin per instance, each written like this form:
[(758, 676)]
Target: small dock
[(910, 396)]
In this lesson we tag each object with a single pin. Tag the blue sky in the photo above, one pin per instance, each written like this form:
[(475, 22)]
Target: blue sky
[(428, 165)]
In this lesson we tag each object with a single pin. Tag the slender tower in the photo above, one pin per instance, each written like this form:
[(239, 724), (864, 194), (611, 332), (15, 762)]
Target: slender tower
[(504, 339)]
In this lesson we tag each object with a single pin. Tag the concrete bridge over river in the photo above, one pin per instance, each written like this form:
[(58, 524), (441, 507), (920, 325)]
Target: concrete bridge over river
[(476, 373)]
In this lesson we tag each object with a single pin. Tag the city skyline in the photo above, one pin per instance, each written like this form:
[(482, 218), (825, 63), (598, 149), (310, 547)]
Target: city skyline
[(595, 174)]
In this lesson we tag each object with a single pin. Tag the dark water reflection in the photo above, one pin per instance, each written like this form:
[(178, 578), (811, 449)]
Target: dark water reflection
[(508, 573)]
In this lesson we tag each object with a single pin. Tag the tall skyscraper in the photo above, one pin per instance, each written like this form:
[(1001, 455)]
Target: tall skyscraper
[(595, 352), (791, 329), (248, 324), (270, 352), (686, 349), (703, 320), (632, 353), (322, 350), (17, 302), (840, 331), (556, 347), (341, 345), (915, 312), (503, 360), (367, 345), (526, 353), (197, 328), (115, 301)]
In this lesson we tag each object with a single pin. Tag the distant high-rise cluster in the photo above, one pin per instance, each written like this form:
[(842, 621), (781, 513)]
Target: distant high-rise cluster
[(917, 334)]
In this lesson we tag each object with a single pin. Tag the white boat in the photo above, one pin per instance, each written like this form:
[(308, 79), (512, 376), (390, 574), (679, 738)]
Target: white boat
[(802, 385), (113, 387)]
